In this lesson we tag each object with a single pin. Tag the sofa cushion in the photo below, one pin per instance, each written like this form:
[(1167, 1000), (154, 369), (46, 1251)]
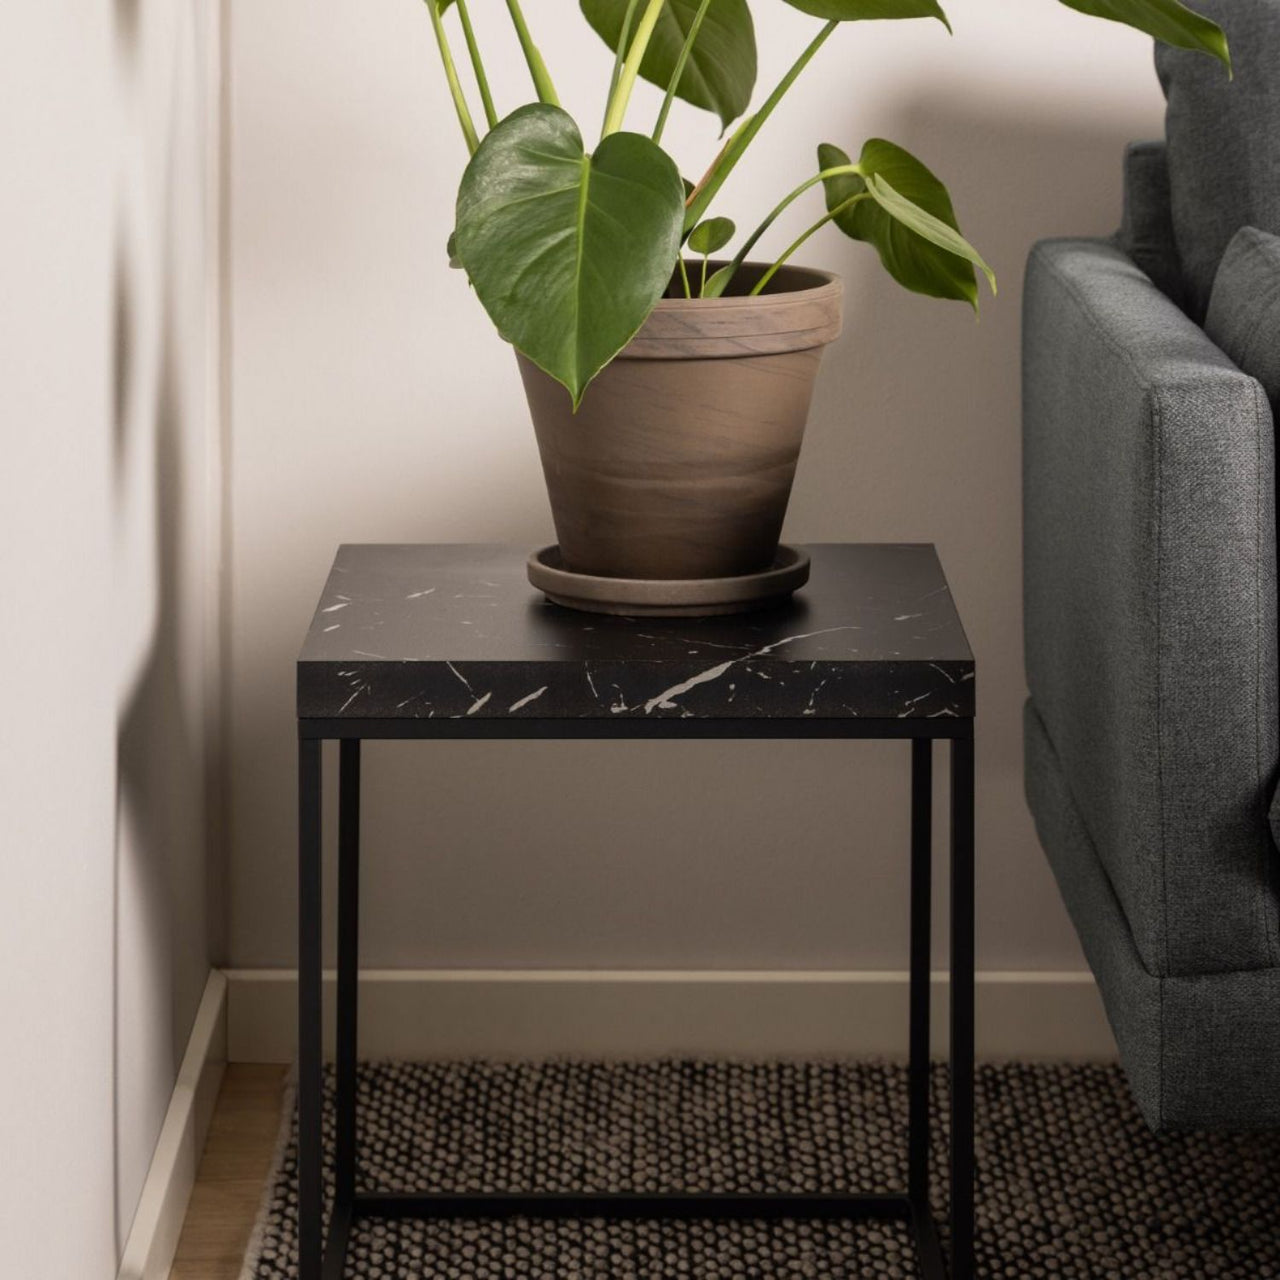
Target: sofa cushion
[(1244, 308), (1224, 139)]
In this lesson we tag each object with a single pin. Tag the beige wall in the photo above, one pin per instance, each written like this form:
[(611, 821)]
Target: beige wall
[(371, 401), (108, 530)]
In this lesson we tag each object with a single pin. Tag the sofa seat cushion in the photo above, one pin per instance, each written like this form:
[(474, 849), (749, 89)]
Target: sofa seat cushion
[(1224, 139), (1244, 308)]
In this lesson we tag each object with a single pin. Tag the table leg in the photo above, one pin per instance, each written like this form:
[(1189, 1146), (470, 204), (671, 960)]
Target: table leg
[(310, 1099), (348, 972), (962, 1013), (921, 924)]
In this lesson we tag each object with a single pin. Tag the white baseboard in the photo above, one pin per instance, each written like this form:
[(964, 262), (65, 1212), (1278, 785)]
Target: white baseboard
[(157, 1224), (423, 1014)]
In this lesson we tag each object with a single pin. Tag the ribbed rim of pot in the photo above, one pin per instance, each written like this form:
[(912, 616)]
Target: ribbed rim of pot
[(801, 309)]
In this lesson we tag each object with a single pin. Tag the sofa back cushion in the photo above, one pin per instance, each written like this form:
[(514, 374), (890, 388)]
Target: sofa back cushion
[(1224, 139), (1244, 308)]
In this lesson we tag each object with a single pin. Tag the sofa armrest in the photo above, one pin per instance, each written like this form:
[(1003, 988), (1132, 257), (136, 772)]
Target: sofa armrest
[(1146, 228), (1150, 593)]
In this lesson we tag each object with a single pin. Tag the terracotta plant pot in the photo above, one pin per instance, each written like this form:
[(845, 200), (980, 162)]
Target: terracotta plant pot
[(679, 461)]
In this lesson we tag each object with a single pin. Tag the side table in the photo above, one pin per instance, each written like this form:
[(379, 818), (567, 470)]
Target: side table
[(450, 641)]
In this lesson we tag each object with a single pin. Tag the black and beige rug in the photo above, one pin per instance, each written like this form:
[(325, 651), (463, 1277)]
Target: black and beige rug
[(1071, 1185)]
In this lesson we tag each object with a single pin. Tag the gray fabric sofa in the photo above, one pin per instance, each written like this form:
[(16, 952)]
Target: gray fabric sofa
[(1152, 731)]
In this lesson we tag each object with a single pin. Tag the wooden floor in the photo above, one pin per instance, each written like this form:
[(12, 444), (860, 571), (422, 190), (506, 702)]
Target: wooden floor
[(232, 1173)]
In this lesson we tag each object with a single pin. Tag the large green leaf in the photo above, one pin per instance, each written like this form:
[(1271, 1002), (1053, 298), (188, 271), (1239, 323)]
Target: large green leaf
[(861, 10), (938, 233), (1167, 20), (568, 252), (909, 219), (720, 74)]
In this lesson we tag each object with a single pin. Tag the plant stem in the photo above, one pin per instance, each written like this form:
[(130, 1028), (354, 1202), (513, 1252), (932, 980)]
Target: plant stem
[(684, 275), (740, 257), (678, 73), (537, 68), (631, 67), (451, 75), (802, 237), (482, 81), (724, 163), (702, 288), (619, 55)]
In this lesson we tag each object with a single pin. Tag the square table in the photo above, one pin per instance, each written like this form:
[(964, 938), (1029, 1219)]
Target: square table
[(450, 641)]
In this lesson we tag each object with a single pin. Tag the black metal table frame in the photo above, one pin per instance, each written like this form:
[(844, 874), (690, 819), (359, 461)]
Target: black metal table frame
[(322, 1258)]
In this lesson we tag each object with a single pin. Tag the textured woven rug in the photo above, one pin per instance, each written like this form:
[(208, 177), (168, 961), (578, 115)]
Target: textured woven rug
[(1071, 1185)]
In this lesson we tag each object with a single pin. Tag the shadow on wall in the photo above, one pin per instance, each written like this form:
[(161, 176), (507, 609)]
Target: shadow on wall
[(161, 942), (127, 24), (916, 385), (916, 428)]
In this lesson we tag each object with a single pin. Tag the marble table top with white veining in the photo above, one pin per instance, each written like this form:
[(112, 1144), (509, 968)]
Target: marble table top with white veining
[(454, 630)]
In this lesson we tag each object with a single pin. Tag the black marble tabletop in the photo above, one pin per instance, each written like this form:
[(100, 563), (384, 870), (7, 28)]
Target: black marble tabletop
[(453, 630)]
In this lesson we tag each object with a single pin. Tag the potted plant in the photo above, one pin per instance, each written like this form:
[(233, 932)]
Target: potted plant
[(668, 390)]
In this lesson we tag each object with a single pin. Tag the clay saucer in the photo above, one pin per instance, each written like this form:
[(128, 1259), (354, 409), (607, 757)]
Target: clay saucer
[(669, 598)]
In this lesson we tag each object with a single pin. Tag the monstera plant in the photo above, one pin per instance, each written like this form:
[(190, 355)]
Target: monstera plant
[(569, 248), (570, 245)]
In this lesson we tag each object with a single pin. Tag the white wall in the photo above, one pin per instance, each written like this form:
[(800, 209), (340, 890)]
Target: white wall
[(57, 749), (371, 402), (108, 525)]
